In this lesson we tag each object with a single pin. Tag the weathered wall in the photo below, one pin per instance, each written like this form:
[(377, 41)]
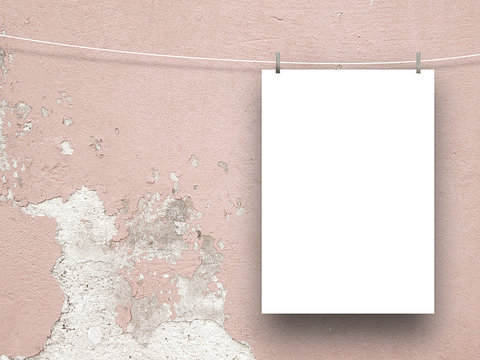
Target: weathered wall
[(130, 187)]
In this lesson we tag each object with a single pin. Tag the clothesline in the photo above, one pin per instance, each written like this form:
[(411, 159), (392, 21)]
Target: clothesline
[(254, 61)]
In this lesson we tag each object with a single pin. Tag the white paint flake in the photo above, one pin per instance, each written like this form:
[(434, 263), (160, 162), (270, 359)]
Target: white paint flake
[(240, 210), (67, 121), (21, 110), (176, 186), (223, 165), (95, 143), (197, 300), (155, 175), (3, 63), (4, 164), (193, 160), (27, 126), (66, 148)]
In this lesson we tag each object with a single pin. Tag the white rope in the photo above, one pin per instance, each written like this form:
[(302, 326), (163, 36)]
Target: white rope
[(232, 60)]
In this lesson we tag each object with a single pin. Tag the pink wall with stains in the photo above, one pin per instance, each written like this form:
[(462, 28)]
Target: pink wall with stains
[(130, 186)]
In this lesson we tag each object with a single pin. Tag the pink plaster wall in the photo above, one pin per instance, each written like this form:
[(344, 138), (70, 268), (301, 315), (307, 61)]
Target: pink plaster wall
[(30, 298), (137, 120)]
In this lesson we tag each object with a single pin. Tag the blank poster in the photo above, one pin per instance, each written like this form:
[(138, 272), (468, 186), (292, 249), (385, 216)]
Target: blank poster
[(348, 191)]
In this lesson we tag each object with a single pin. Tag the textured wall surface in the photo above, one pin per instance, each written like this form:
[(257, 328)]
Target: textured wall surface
[(130, 186)]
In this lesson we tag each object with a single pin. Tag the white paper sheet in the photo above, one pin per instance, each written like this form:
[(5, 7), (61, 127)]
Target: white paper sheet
[(347, 191)]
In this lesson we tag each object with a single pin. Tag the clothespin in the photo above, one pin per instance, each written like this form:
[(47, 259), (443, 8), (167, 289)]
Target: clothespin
[(419, 63), (277, 63)]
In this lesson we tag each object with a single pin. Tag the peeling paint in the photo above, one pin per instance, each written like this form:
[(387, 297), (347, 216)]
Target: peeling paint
[(4, 164), (87, 272), (197, 300), (146, 315), (157, 228), (3, 63), (22, 110)]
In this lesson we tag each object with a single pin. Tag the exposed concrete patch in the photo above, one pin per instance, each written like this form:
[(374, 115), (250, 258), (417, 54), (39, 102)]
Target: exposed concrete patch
[(21, 110), (5, 59), (10, 180), (4, 164), (88, 274), (197, 300), (160, 229), (146, 315), (95, 334), (157, 228), (3, 63)]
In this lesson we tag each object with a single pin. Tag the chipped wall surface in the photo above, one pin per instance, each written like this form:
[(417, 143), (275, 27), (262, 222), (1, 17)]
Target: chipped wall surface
[(130, 186)]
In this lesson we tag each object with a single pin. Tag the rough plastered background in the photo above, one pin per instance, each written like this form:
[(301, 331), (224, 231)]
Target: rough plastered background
[(130, 186)]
